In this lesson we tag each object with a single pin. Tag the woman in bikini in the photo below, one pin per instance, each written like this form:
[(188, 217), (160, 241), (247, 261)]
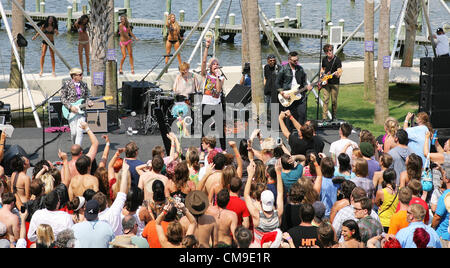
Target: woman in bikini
[(173, 36), (83, 40), (20, 182), (50, 29), (126, 36)]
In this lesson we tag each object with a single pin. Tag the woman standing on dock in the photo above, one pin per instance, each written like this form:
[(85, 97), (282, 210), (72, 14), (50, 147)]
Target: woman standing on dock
[(126, 36), (173, 36), (83, 41), (50, 29)]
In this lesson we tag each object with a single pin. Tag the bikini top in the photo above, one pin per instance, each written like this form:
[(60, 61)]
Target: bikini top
[(49, 32)]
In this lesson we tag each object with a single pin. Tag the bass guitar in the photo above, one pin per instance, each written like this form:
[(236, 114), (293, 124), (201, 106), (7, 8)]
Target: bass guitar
[(324, 80), (291, 96), (80, 105)]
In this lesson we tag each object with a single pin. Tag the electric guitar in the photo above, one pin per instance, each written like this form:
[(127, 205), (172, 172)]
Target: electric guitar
[(79, 103), (292, 95), (324, 80)]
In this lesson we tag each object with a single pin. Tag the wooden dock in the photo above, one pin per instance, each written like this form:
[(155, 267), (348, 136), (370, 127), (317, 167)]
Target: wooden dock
[(228, 29)]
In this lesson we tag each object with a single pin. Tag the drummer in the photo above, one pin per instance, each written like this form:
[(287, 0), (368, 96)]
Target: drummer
[(185, 83)]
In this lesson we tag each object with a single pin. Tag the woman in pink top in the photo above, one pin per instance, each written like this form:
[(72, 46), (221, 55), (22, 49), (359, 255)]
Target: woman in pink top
[(126, 36)]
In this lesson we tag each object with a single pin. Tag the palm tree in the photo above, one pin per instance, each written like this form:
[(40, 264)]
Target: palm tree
[(18, 26), (411, 16), (244, 50), (254, 45), (99, 35), (382, 87), (369, 67)]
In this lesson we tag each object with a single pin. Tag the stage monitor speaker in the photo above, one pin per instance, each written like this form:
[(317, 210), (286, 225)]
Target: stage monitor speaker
[(5, 111), (239, 94), (434, 99), (55, 118), (12, 151), (435, 66), (133, 97), (113, 115), (97, 120)]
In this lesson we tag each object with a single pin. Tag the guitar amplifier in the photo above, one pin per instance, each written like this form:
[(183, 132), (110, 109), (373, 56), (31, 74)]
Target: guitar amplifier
[(97, 120), (55, 118), (98, 105)]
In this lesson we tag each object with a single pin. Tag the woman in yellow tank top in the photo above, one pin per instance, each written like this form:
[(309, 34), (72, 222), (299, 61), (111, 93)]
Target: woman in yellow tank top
[(387, 198)]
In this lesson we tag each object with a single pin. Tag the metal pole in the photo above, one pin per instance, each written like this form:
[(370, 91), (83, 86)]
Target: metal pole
[(399, 28), (427, 19), (19, 64), (163, 71), (200, 40), (269, 37), (445, 6), (49, 43), (275, 32)]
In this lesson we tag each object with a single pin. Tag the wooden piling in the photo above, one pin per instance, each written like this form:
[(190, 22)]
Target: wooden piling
[(277, 10), (329, 11), (75, 6), (232, 19), (392, 38), (216, 30), (182, 16), (299, 15), (200, 8), (166, 15), (42, 6), (169, 6), (69, 18), (38, 5), (329, 25), (126, 4), (342, 23), (286, 22), (84, 9), (116, 20)]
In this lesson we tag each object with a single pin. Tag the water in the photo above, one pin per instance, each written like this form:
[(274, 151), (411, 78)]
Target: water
[(149, 49)]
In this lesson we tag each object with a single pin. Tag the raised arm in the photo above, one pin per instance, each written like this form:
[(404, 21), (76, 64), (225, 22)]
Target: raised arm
[(111, 172), (280, 197), (294, 121), (92, 153), (283, 127), (2, 145), (240, 165), (65, 179), (105, 152), (318, 182), (434, 157), (189, 216), (124, 178), (159, 229), (208, 173), (205, 57), (247, 198)]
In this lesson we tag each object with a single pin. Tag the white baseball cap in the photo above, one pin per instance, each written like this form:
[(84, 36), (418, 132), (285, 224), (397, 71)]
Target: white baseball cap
[(267, 200)]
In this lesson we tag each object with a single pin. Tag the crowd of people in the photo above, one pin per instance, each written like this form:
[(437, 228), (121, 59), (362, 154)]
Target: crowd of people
[(258, 194)]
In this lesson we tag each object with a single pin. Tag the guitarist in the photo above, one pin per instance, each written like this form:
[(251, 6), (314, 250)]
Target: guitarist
[(292, 76), (71, 92), (331, 64)]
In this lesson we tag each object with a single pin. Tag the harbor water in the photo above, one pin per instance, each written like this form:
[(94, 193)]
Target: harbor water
[(148, 50)]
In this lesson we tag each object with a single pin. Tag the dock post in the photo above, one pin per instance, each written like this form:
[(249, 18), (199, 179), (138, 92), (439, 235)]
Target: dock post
[(75, 6), (216, 30), (299, 15), (286, 22), (329, 25), (232, 19), (200, 8), (69, 18), (277, 10), (42, 6), (38, 5), (182, 15), (169, 6), (84, 9), (272, 22), (126, 4), (116, 20), (342, 23), (166, 15), (392, 38), (329, 11)]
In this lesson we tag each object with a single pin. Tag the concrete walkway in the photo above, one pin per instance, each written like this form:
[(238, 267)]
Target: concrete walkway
[(47, 84)]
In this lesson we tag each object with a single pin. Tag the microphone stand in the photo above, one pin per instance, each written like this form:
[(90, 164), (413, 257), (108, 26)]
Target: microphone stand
[(43, 119), (320, 68)]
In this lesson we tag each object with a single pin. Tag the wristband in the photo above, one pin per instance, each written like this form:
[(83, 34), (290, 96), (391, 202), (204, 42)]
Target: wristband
[(108, 144), (88, 129), (290, 117)]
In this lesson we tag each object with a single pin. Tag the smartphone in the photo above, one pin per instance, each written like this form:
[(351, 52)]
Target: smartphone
[(23, 209)]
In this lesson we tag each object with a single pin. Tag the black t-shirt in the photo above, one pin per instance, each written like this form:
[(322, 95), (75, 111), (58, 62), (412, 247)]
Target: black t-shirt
[(318, 144), (270, 74), (331, 66), (304, 236), (291, 216), (299, 146)]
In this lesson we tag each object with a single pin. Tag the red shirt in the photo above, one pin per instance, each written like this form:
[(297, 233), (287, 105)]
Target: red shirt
[(238, 205)]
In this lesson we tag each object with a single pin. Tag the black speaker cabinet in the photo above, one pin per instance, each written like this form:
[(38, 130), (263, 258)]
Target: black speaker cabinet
[(5, 111), (97, 120), (133, 97), (435, 66), (239, 94), (55, 118)]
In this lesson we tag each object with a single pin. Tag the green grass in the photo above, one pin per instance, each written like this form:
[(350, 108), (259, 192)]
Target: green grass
[(360, 113)]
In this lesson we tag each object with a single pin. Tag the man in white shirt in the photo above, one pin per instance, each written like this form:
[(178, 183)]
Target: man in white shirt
[(112, 214), (441, 41), (58, 220), (338, 146)]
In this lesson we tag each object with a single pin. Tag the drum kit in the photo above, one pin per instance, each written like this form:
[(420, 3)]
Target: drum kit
[(172, 106)]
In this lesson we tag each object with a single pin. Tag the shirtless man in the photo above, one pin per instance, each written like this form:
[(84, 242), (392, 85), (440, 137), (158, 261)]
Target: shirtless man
[(211, 183), (226, 219), (77, 151), (20, 182), (8, 218), (148, 174), (207, 228), (84, 180)]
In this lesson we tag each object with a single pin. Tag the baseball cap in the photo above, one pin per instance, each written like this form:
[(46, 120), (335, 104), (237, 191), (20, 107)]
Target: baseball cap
[(367, 149), (439, 30), (271, 56), (267, 200), (92, 208), (319, 211)]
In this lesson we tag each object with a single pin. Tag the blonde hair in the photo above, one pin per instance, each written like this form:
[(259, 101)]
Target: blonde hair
[(45, 235), (49, 182), (184, 66), (391, 125)]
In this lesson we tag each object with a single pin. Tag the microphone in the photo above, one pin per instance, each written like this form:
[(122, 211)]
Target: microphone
[(168, 55)]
